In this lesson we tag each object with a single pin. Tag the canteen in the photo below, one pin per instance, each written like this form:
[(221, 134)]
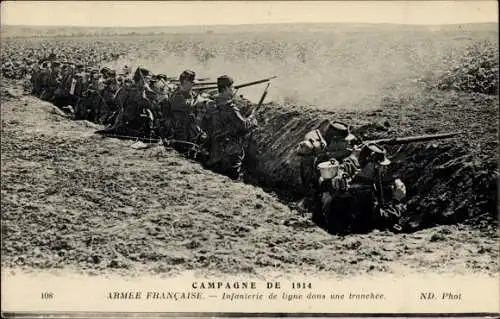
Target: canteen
[(329, 169)]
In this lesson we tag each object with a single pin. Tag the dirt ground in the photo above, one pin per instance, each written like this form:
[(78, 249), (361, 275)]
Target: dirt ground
[(72, 200)]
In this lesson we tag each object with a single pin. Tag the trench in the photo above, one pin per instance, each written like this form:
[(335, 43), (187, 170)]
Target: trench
[(445, 182)]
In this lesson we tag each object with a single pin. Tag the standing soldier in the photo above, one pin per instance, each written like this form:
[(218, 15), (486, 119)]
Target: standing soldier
[(52, 81), (36, 79), (180, 114), (227, 131), (107, 95)]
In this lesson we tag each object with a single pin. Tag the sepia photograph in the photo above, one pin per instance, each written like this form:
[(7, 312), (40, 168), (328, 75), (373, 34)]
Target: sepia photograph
[(249, 158)]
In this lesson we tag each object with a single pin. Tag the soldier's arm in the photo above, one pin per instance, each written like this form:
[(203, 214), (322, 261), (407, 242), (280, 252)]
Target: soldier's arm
[(350, 166), (241, 123)]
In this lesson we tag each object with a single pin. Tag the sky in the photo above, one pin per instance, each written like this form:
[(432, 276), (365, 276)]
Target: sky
[(173, 13)]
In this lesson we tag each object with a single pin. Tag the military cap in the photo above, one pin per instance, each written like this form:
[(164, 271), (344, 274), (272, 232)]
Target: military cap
[(339, 129), (187, 75), (224, 81)]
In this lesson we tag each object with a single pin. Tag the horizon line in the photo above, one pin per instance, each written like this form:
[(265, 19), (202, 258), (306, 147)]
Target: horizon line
[(243, 24)]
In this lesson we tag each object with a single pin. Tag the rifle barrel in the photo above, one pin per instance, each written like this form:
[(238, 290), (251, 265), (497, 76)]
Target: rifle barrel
[(239, 86), (197, 82), (263, 95), (410, 139)]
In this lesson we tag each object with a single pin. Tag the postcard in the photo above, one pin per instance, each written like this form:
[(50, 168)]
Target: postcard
[(249, 159)]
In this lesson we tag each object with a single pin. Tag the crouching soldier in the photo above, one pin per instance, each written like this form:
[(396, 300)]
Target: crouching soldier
[(330, 140), (357, 195), (227, 129)]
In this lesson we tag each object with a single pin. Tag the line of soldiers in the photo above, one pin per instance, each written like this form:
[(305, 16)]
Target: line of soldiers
[(208, 126), (349, 186), (347, 181)]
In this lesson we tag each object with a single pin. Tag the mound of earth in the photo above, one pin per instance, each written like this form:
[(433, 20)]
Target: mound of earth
[(74, 200), (448, 181), (475, 71)]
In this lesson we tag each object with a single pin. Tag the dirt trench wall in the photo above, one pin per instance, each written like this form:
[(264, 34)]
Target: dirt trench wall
[(271, 154), (446, 183)]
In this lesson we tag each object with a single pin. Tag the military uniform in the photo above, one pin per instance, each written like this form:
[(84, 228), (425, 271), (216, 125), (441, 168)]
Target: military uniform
[(133, 102), (226, 134), (318, 147), (180, 115), (360, 196), (108, 93)]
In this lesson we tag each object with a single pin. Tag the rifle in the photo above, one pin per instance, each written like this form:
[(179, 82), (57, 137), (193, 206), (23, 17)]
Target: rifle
[(264, 94), (239, 86), (410, 139), (203, 80), (249, 135)]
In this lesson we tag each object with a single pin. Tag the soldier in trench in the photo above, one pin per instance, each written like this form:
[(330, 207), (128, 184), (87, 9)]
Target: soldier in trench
[(337, 143), (180, 114), (227, 129), (362, 195), (133, 103)]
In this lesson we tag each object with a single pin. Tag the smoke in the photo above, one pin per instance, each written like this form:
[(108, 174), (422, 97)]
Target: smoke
[(332, 71)]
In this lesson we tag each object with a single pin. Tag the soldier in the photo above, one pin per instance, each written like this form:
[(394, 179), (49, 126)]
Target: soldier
[(133, 103), (361, 195), (43, 77), (52, 81), (316, 148), (61, 94), (180, 114), (227, 130), (35, 80), (107, 94)]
